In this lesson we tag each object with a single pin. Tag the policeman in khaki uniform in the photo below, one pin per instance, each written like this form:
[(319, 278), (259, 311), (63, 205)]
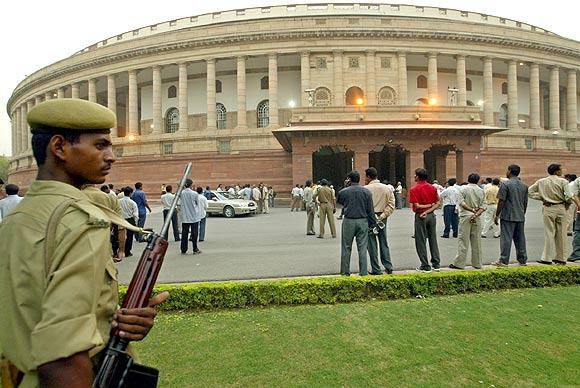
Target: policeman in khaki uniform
[(58, 283), (327, 204), (555, 195)]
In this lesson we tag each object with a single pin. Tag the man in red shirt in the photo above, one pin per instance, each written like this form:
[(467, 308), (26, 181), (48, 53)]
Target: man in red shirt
[(424, 201)]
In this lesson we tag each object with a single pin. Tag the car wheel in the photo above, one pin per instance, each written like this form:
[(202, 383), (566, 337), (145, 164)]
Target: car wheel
[(229, 212)]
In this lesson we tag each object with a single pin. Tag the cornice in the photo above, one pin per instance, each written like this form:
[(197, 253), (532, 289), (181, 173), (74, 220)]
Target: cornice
[(220, 41)]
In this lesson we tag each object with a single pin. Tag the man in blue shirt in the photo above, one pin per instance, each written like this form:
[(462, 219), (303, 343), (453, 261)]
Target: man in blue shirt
[(141, 200)]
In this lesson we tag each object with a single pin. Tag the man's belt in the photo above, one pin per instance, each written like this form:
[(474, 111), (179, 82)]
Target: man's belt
[(548, 204)]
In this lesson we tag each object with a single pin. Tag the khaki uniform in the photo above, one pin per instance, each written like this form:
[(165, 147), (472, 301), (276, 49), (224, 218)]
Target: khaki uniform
[(326, 201), (554, 192), (491, 202), (53, 313), (469, 232)]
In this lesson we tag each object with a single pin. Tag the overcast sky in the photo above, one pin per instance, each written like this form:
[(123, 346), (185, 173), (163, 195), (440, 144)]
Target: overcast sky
[(37, 33)]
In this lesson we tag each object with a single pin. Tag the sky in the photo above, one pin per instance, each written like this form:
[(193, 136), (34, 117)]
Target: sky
[(36, 33)]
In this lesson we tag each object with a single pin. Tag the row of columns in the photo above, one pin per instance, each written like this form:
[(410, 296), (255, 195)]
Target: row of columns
[(20, 127)]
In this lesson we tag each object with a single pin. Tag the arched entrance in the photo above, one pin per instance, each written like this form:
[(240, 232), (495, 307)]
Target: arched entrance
[(389, 160), (332, 163), (435, 162), (354, 95)]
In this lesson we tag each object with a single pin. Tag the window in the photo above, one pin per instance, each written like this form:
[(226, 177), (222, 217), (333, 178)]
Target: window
[(167, 148), (119, 152), (172, 92), (387, 96), (529, 143), (421, 82), (385, 63), (422, 101), (503, 115), (218, 86), (353, 94), (171, 120), (322, 97), (468, 84), (570, 146), (263, 113), (220, 110), (265, 83), (224, 147), (504, 88), (321, 62), (353, 62)]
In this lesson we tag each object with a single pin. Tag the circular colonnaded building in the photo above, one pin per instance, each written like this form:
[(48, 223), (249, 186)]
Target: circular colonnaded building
[(285, 93)]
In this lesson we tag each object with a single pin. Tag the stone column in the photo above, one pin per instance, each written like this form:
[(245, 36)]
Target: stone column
[(304, 77), (60, 93), (441, 167), (273, 89), (534, 96), (461, 82), (488, 91), (361, 158), (459, 166), (338, 91), (47, 96), (37, 100), (156, 104), (512, 95), (572, 101), (402, 70), (414, 159), (392, 165), (371, 93), (241, 80), (182, 83), (23, 128), (112, 99), (432, 77), (75, 90), (542, 108), (93, 90), (563, 102), (211, 109), (17, 139), (133, 101), (554, 98), (450, 165)]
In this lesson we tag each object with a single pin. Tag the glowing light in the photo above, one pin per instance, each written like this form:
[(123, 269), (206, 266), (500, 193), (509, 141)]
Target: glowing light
[(291, 104), (359, 101), (151, 126), (131, 137), (480, 103), (432, 101)]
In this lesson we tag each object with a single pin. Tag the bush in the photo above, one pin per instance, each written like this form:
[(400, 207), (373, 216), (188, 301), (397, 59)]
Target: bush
[(328, 290)]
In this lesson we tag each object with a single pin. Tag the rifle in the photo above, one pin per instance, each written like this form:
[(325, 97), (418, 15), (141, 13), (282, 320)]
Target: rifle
[(116, 368)]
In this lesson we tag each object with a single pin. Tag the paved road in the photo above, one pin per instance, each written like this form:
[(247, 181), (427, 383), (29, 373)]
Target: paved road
[(275, 245)]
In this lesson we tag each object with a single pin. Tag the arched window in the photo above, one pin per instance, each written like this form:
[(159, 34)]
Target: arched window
[(353, 95), (468, 84), (422, 101), (504, 88), (172, 92), (421, 82), (220, 111), (265, 83), (322, 97), (171, 120), (218, 86), (387, 96), (503, 115), (263, 113)]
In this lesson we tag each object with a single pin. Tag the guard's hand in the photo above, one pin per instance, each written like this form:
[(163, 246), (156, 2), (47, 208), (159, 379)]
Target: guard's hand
[(134, 324)]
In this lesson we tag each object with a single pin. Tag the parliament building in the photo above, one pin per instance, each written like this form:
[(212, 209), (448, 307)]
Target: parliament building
[(282, 94)]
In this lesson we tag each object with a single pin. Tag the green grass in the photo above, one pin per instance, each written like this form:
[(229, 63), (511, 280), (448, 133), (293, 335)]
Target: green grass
[(511, 338)]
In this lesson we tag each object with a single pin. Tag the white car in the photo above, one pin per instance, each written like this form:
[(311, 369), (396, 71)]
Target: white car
[(229, 205)]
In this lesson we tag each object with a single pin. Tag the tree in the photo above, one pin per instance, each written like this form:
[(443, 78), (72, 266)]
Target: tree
[(4, 163)]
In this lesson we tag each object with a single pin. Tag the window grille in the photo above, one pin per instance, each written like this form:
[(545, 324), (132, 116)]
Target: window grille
[(220, 116), (172, 120), (263, 113)]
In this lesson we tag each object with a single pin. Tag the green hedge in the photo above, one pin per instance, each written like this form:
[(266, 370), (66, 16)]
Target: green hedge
[(328, 290)]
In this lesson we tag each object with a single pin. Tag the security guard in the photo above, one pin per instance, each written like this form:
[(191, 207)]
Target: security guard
[(58, 284)]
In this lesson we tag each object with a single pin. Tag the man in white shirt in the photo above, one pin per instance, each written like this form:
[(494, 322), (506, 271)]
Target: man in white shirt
[(257, 196), (166, 201), (438, 187), (10, 202), (296, 198), (190, 217), (450, 199), (232, 190), (399, 195), (265, 198), (203, 205), (130, 213)]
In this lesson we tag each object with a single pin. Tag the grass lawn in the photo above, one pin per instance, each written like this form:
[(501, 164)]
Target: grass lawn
[(526, 337)]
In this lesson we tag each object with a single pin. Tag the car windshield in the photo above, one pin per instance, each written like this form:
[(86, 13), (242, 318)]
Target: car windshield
[(219, 196), (227, 195)]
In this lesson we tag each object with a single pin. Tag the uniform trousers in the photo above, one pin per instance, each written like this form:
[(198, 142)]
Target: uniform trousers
[(555, 225), (173, 224), (451, 220), (512, 231), (469, 235), (296, 200), (488, 220), (575, 255), (571, 212), (129, 238), (354, 228), (185, 227), (266, 208), (326, 213), (310, 212), (398, 200), (426, 229), (378, 243)]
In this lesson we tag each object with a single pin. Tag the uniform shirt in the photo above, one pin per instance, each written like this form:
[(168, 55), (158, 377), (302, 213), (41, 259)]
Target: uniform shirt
[(399, 189), (491, 194), (308, 197), (551, 189), (514, 193), (112, 194), (265, 193), (383, 198), (256, 193), (296, 192), (324, 195), (140, 199), (472, 196), (7, 204), (450, 196), (48, 317), (167, 200), (423, 193), (357, 202), (190, 212), (129, 209)]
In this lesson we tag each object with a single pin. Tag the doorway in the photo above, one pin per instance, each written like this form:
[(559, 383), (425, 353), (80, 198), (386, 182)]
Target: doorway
[(390, 163), (332, 163)]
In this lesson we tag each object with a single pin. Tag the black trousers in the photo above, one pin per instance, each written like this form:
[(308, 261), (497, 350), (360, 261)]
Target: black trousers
[(173, 224), (185, 227), (129, 239)]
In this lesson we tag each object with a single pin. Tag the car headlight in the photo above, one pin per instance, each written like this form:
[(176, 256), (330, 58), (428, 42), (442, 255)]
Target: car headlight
[(251, 204)]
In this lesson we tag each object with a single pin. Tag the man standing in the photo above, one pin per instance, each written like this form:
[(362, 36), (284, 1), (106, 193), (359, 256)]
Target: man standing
[(265, 198), (327, 205), (310, 208), (166, 201), (572, 209), (257, 196), (130, 213), (203, 205), (358, 218), (12, 199), (575, 190), (511, 208), (141, 200), (490, 194), (190, 217), (555, 195), (295, 198), (424, 201), (59, 302), (472, 206), (383, 206), (450, 199), (399, 195)]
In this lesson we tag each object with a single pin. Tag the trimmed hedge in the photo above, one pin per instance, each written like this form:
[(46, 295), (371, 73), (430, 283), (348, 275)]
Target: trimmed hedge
[(328, 290)]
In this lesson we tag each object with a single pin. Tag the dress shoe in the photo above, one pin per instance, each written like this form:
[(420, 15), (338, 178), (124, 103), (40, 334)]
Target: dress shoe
[(375, 273), (319, 236), (389, 271), (453, 266), (310, 234), (559, 262), (545, 262)]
